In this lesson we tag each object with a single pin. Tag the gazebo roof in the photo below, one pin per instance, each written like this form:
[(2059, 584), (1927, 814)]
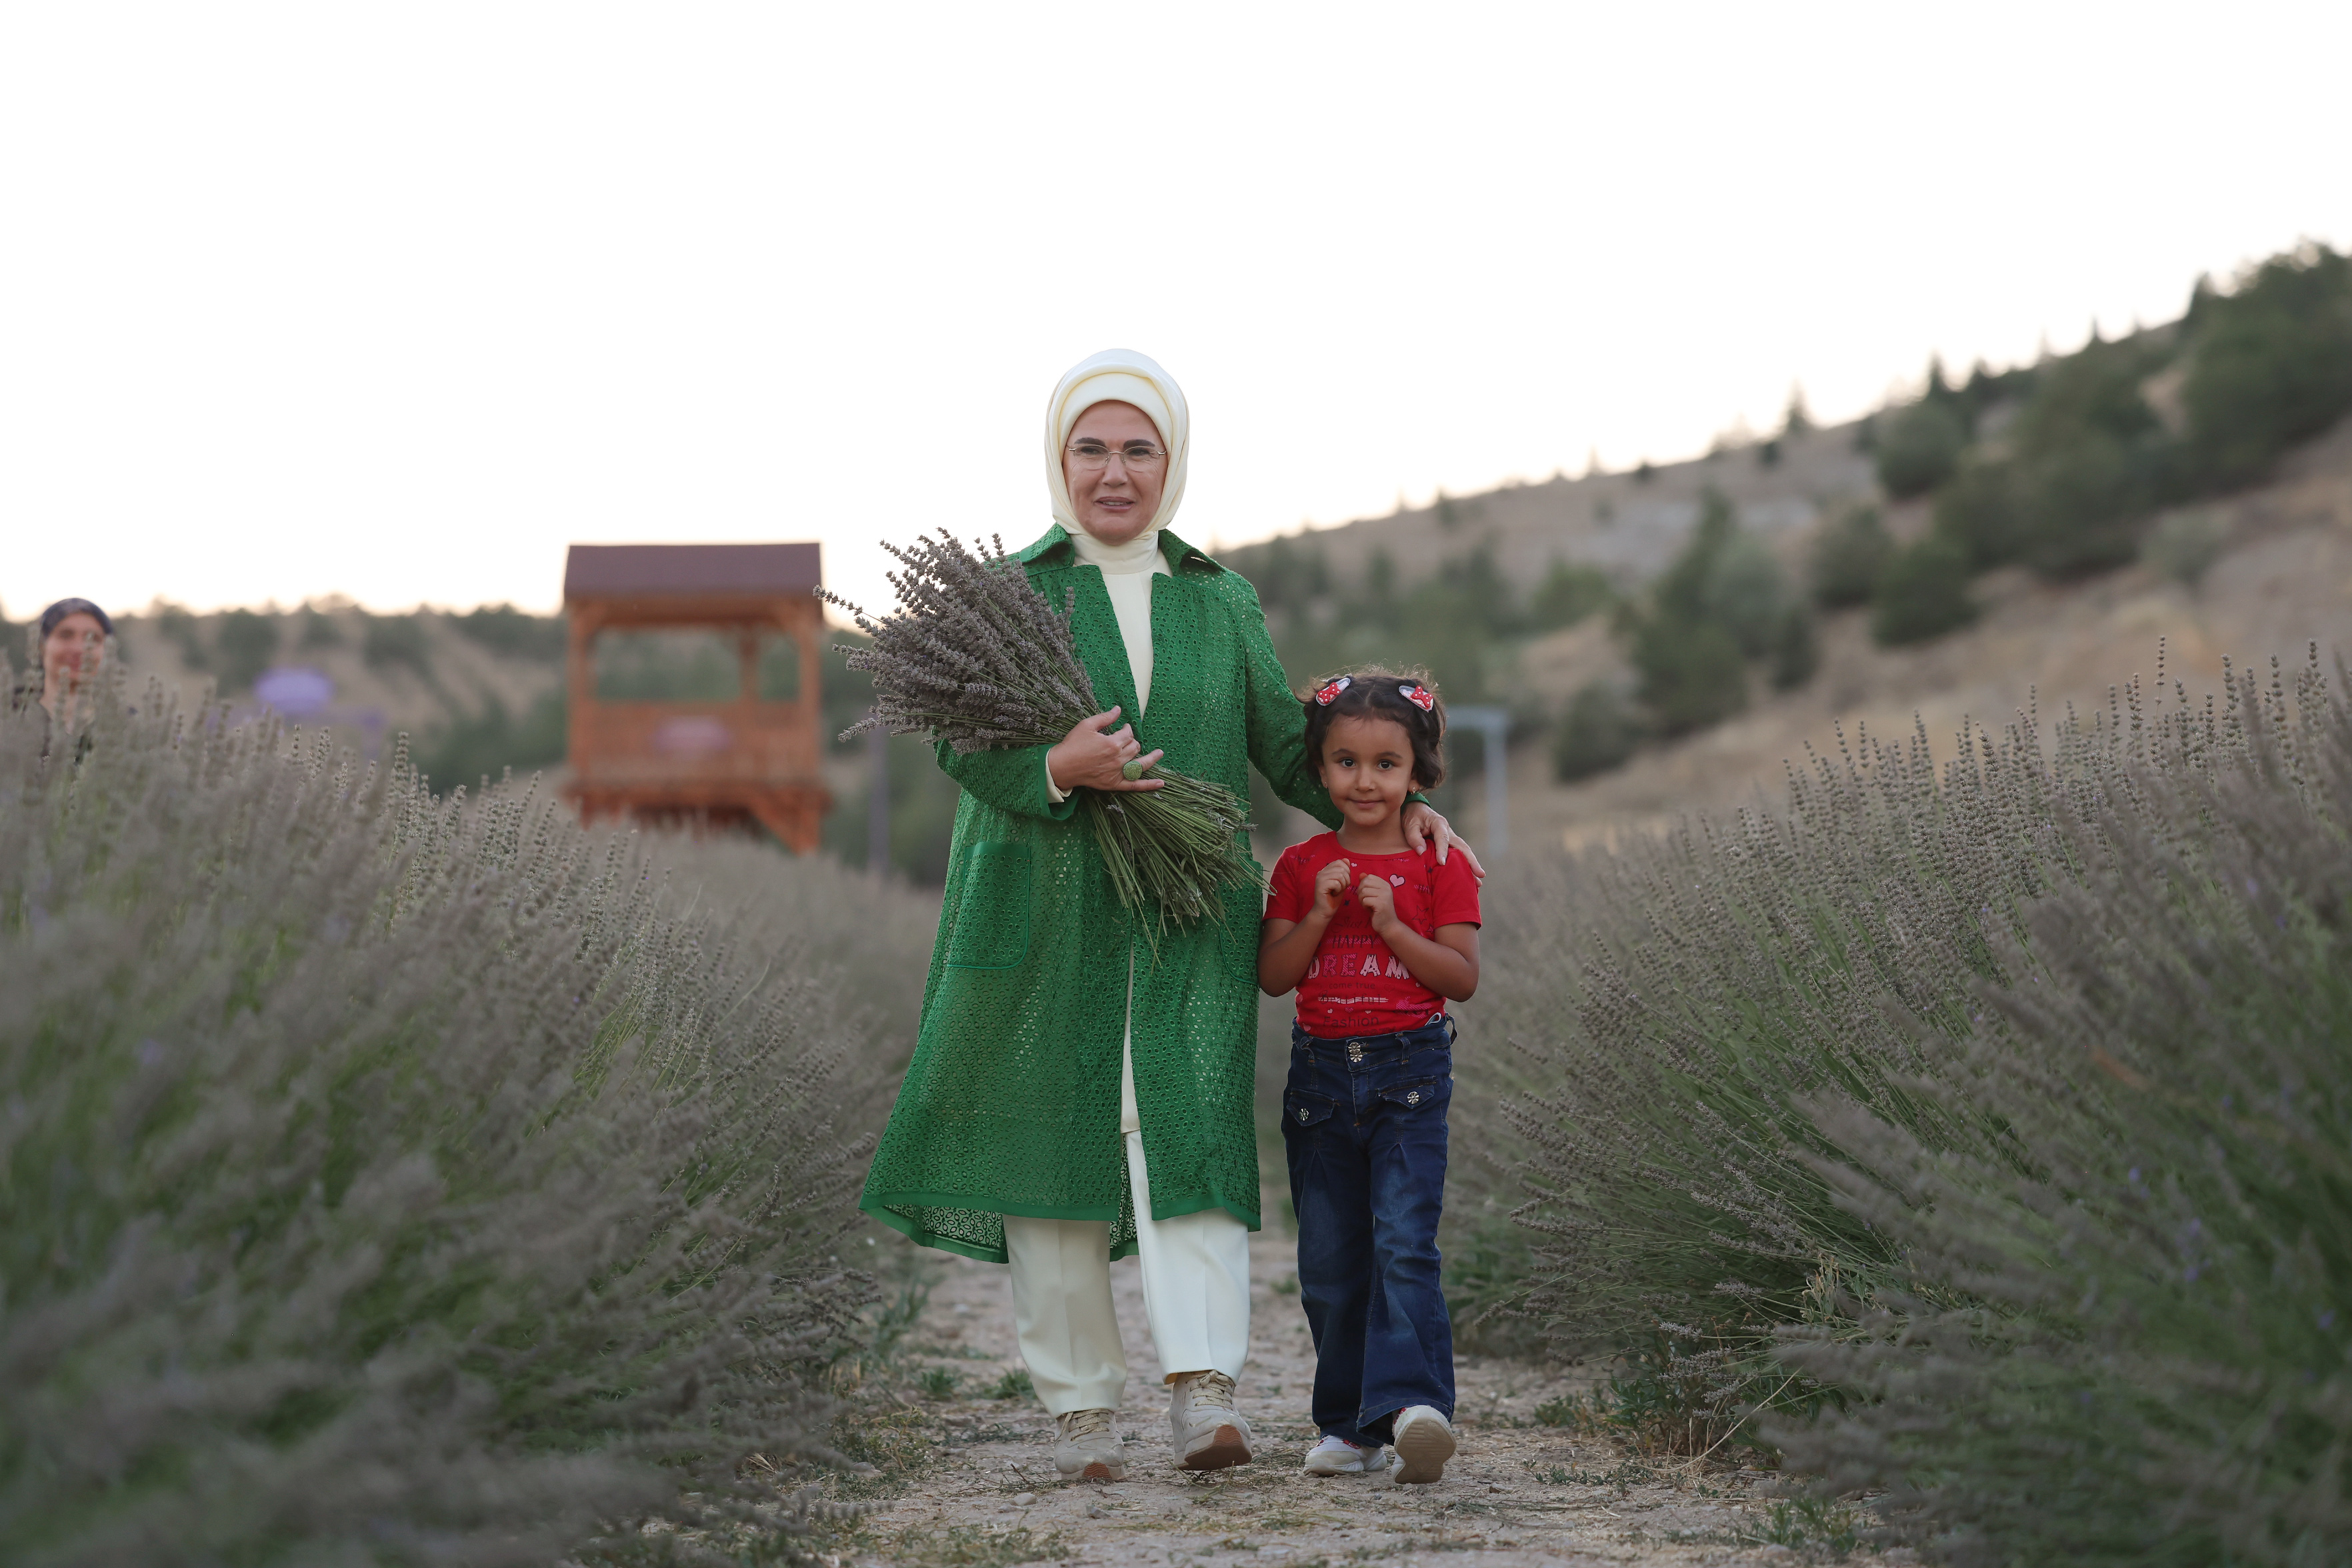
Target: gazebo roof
[(628, 571)]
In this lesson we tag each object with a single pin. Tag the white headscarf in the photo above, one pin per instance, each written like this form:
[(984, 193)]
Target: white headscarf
[(1118, 376)]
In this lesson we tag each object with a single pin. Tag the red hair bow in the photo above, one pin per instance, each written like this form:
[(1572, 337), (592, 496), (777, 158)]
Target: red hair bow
[(1330, 692), (1420, 697)]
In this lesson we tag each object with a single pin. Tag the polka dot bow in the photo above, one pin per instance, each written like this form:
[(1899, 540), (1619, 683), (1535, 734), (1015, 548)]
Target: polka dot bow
[(1330, 691), (1420, 697)]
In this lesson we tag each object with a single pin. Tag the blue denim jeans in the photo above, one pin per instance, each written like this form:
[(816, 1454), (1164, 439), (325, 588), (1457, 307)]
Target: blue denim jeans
[(1363, 1123)]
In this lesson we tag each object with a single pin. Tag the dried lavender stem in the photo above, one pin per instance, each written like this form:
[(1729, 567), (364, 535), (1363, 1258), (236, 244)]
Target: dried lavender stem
[(977, 658)]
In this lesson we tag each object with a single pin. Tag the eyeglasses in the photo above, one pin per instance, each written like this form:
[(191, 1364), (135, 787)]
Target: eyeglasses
[(1093, 457)]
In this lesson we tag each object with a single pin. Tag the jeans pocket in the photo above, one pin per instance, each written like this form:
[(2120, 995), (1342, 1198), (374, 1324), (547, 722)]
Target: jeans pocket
[(1303, 1109), (1418, 1094)]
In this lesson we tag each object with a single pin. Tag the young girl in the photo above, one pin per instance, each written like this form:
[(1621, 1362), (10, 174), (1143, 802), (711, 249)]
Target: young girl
[(1375, 938)]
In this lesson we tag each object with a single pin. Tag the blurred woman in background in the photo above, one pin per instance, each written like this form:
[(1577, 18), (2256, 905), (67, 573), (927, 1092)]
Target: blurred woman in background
[(72, 646)]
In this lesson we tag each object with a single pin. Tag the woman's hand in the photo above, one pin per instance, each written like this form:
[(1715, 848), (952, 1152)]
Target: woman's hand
[(1421, 824), (1095, 755)]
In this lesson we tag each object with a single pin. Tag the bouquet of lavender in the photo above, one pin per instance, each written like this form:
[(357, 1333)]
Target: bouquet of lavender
[(977, 658)]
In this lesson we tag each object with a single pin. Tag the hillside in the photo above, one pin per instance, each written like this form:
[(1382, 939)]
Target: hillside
[(1626, 525), (478, 691), (482, 687), (2281, 579), (1663, 639), (411, 672)]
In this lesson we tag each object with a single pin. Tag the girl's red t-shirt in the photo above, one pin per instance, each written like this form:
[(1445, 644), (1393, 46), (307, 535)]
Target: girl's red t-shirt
[(1354, 984)]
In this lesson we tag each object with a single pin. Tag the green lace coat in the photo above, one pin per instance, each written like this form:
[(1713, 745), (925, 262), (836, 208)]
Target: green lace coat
[(1011, 1105)]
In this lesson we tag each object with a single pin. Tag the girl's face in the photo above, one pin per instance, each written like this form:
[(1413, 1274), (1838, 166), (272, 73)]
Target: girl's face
[(1368, 767)]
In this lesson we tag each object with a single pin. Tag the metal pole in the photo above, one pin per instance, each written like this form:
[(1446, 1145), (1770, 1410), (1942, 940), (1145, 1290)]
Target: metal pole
[(1498, 785), (878, 802), (1494, 727)]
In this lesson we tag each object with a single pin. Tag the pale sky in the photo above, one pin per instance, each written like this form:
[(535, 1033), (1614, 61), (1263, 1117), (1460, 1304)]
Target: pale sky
[(395, 301)]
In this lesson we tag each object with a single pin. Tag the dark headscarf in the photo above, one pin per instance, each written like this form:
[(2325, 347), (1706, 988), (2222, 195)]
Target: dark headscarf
[(63, 607)]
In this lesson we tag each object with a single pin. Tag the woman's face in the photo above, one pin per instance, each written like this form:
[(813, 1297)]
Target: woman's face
[(1119, 500), (73, 647)]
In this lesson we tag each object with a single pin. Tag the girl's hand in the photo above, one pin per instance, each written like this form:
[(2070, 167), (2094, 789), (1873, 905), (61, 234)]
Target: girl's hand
[(1379, 902), (1421, 824), (1330, 887), (1094, 754)]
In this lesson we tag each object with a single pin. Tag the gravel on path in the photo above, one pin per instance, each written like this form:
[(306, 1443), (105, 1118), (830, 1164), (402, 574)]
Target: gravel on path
[(1519, 1493)]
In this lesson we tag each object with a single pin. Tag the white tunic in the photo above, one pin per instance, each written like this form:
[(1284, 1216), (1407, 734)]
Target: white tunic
[(1128, 570)]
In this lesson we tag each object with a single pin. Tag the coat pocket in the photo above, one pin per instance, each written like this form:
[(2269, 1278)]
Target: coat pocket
[(993, 908)]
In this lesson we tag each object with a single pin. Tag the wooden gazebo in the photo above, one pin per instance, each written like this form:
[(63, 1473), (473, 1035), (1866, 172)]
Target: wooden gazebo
[(738, 761)]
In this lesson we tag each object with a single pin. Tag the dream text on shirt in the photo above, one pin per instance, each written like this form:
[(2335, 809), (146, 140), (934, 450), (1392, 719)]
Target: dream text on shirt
[(1354, 984)]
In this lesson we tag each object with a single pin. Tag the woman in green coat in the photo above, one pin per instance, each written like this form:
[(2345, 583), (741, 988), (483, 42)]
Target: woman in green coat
[(1075, 1096)]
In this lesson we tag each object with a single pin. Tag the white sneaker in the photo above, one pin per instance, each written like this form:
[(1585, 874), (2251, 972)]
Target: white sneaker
[(1087, 1445), (1336, 1456), (1206, 1431), (1423, 1441)]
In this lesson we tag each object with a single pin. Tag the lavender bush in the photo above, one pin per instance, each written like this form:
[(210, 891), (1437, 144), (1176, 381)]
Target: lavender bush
[(2119, 1334), (393, 1180), (1675, 1000), (1975, 1135)]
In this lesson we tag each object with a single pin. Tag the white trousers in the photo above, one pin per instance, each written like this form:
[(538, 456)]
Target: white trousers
[(1195, 1290)]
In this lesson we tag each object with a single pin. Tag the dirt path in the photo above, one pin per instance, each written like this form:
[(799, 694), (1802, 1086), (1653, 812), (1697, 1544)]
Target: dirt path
[(984, 1492)]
